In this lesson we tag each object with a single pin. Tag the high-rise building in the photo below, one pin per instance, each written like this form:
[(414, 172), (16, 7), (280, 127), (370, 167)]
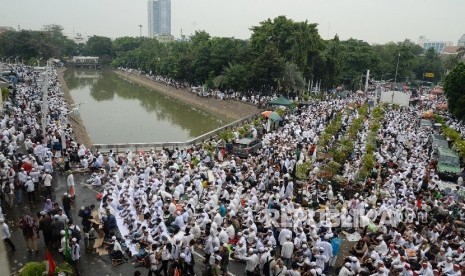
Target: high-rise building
[(461, 41), (159, 17), (438, 46)]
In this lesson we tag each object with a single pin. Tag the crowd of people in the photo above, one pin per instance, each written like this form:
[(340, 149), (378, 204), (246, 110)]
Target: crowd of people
[(251, 97), (166, 209), (36, 143)]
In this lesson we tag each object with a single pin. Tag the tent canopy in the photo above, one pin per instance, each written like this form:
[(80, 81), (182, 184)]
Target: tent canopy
[(281, 101)]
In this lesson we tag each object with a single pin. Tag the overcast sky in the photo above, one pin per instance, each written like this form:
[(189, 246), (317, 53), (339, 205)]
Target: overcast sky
[(375, 21)]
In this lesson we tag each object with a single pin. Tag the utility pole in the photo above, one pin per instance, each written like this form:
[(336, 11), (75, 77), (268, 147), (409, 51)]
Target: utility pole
[(140, 30)]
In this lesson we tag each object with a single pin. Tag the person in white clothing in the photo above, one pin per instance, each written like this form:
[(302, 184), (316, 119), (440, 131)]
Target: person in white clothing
[(251, 262), (425, 270), (287, 249), (75, 254), (345, 270), (5, 234)]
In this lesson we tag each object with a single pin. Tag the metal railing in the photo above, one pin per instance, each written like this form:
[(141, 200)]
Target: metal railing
[(159, 145)]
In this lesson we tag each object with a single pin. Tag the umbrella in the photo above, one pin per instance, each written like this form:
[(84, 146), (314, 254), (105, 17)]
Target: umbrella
[(272, 115), (266, 113), (360, 92)]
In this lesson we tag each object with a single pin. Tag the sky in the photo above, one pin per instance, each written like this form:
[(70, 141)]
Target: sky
[(374, 21)]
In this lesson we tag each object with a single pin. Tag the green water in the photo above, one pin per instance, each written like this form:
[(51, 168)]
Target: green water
[(115, 110)]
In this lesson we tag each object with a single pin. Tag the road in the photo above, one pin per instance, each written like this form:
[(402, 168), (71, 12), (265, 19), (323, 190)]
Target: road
[(90, 263)]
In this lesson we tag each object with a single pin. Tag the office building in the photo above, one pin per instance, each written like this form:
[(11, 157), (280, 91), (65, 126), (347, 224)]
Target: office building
[(159, 17), (461, 42), (438, 46)]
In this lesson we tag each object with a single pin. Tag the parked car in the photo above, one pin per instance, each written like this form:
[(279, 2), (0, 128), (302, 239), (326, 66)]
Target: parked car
[(245, 146), (426, 124), (437, 141), (447, 164)]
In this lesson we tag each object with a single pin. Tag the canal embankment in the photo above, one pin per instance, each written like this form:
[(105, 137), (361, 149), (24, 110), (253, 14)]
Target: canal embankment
[(230, 109), (80, 132)]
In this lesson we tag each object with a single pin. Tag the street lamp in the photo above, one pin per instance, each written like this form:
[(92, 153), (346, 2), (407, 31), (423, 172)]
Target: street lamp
[(397, 68)]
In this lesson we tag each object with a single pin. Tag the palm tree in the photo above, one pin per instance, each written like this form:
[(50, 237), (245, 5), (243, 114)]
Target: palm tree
[(292, 79), (232, 76)]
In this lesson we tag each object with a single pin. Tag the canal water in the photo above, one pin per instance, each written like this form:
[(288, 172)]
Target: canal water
[(115, 110)]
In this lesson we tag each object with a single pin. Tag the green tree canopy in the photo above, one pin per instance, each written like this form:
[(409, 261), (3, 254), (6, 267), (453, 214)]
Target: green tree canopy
[(454, 87)]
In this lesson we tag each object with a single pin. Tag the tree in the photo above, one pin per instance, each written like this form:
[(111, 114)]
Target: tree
[(267, 69), (355, 58), (461, 53), (296, 42), (100, 46), (233, 76), (291, 80), (431, 63), (454, 88)]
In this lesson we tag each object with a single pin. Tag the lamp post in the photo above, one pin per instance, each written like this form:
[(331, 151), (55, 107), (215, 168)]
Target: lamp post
[(397, 68)]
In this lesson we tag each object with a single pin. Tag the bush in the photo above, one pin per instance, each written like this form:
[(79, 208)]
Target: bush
[(33, 269), (65, 268), (226, 135), (302, 170), (5, 93)]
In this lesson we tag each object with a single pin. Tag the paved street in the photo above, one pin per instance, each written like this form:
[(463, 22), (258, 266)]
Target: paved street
[(91, 264)]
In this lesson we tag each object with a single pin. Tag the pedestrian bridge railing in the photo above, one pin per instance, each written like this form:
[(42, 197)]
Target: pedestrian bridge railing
[(121, 147)]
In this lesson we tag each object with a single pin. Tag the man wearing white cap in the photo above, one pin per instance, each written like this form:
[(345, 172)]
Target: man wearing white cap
[(75, 254), (345, 270), (251, 262), (425, 270), (447, 266), (62, 248)]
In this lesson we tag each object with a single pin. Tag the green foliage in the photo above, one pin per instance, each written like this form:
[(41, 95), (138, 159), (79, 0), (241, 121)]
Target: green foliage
[(281, 55), (368, 160), (5, 93), (458, 143), (331, 129), (33, 269), (333, 167), (100, 46), (355, 58), (226, 135), (439, 119), (244, 130), (281, 112), (66, 268), (25, 44), (291, 80), (209, 147), (233, 76), (454, 88), (302, 170)]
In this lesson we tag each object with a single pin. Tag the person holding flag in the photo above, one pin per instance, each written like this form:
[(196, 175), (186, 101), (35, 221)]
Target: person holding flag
[(50, 263)]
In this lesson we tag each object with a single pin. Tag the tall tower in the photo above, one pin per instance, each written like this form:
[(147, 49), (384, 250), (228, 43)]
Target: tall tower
[(159, 17)]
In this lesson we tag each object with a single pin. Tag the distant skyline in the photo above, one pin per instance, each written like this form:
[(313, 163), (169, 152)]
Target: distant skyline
[(374, 21)]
